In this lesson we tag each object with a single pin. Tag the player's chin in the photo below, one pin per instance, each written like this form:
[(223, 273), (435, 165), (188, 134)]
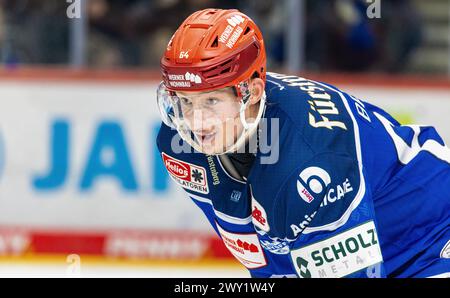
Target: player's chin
[(215, 149), (209, 148)]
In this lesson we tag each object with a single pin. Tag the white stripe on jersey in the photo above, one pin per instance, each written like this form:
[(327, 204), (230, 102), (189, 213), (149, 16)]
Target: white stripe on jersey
[(223, 216), (442, 275)]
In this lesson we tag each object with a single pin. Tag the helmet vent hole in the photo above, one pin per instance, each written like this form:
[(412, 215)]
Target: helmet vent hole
[(225, 70), (247, 30), (215, 43)]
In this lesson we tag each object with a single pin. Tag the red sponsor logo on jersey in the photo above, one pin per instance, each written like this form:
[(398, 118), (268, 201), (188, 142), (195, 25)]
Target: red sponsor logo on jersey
[(247, 246), (307, 196), (177, 168), (257, 215), (189, 176)]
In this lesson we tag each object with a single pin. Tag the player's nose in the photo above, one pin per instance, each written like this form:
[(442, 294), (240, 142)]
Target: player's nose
[(201, 122)]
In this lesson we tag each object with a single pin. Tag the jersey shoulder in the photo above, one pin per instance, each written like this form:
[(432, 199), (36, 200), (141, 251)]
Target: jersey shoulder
[(319, 173), (318, 112)]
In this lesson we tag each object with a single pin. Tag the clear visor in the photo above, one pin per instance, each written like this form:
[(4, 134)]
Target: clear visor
[(211, 122)]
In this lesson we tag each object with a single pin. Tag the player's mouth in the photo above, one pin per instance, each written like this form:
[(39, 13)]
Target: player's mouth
[(206, 138)]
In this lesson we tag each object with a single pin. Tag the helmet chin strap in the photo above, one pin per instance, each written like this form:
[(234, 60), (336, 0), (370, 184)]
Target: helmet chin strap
[(249, 128)]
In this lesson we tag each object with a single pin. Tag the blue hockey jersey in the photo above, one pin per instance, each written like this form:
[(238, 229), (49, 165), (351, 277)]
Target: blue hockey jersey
[(340, 190)]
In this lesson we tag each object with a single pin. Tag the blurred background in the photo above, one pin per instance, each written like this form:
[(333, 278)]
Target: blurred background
[(83, 191), (401, 36)]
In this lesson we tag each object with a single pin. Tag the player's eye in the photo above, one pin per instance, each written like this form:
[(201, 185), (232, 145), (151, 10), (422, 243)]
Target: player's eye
[(186, 101), (212, 101)]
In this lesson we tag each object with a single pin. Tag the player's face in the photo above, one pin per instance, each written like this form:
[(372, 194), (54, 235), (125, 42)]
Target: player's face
[(213, 118)]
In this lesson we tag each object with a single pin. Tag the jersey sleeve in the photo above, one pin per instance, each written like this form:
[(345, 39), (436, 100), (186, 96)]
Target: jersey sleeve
[(325, 211)]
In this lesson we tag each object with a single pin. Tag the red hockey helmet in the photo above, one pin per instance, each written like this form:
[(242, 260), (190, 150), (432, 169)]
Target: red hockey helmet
[(213, 49)]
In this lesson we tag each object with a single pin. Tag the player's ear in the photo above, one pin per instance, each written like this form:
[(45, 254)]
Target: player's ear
[(256, 90)]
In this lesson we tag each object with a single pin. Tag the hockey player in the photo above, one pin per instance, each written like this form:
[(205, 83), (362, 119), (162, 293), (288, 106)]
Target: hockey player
[(297, 177)]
